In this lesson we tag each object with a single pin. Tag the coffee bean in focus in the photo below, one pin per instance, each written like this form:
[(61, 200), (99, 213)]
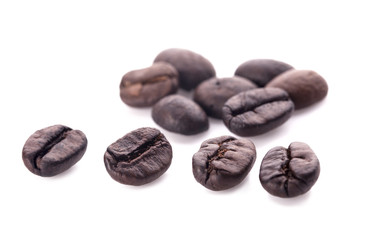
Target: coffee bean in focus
[(53, 150), (257, 111), (289, 172), (223, 162), (139, 157)]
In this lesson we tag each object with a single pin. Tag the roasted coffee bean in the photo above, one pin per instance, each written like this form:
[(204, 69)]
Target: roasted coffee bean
[(139, 157), (289, 172), (213, 93), (257, 111), (53, 150), (192, 67), (179, 114), (144, 87), (305, 87), (261, 71), (223, 162)]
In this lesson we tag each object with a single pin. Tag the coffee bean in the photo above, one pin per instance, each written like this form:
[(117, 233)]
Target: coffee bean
[(257, 111), (305, 87), (261, 71), (179, 114), (53, 150), (192, 67), (223, 162), (144, 87), (289, 172), (213, 93), (139, 157)]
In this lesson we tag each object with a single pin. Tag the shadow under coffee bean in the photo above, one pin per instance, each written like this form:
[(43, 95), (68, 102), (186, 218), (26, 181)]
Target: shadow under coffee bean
[(53, 150), (223, 162), (289, 172), (139, 157)]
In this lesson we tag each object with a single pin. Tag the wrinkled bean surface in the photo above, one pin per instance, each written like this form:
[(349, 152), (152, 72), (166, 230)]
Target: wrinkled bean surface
[(139, 157), (53, 150), (257, 111), (289, 172), (223, 162)]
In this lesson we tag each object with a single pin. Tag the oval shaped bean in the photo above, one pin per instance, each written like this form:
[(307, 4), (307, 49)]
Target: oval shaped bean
[(139, 157), (53, 150), (262, 71), (223, 162), (289, 172), (179, 114), (144, 87), (257, 111), (305, 87), (213, 93), (192, 67)]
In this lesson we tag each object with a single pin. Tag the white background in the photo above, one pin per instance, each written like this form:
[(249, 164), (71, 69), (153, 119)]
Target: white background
[(61, 63)]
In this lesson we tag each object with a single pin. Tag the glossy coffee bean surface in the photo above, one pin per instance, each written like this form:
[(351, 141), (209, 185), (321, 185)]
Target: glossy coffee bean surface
[(53, 150), (223, 162), (139, 157), (257, 111), (289, 172)]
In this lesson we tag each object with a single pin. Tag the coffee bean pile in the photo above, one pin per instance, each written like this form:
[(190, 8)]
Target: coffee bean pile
[(261, 96)]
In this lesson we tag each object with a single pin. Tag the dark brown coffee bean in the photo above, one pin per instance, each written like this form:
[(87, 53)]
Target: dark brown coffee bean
[(144, 87), (223, 162), (192, 67), (53, 150), (257, 111), (179, 114), (305, 87), (139, 157), (213, 93), (289, 172), (261, 71)]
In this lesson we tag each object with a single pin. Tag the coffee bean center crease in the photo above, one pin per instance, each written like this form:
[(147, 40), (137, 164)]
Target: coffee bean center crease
[(148, 81), (216, 156), (253, 108), (288, 173), (138, 152), (48, 146)]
